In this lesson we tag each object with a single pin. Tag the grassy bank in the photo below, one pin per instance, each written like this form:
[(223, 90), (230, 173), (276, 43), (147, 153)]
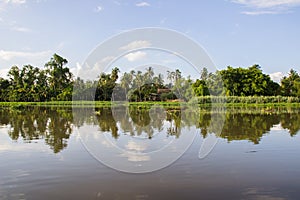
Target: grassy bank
[(97, 104), (205, 101)]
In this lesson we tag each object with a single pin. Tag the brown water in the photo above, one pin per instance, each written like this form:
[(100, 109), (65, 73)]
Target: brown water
[(44, 154)]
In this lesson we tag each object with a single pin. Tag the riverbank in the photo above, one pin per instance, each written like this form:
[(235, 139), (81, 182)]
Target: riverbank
[(205, 101)]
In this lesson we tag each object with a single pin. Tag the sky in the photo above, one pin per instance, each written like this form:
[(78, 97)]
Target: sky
[(238, 33)]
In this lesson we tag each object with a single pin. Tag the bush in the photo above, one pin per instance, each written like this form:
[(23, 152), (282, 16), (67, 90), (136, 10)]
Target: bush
[(248, 99)]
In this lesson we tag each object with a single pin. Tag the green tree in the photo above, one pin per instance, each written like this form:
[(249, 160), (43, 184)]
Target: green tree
[(15, 82), (126, 83), (149, 75), (59, 78), (4, 89), (42, 88), (29, 75), (200, 88), (106, 85), (248, 82), (290, 85)]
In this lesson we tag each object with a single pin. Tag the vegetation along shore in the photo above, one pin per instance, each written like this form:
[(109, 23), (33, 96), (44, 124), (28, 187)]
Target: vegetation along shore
[(56, 85)]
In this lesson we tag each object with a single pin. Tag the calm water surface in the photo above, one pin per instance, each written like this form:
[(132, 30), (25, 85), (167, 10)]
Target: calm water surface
[(43, 156)]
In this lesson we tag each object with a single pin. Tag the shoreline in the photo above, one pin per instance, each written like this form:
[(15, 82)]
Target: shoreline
[(146, 104)]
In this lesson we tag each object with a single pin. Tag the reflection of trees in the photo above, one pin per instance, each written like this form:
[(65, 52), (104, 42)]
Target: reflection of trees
[(140, 117), (136, 121), (158, 116), (204, 121), (54, 125), (141, 121), (107, 122), (121, 114), (291, 122), (83, 115), (59, 130), (174, 117), (24, 124), (32, 123), (250, 125)]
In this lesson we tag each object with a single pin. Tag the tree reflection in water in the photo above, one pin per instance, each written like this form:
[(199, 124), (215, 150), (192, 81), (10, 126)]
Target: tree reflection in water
[(34, 123), (54, 124)]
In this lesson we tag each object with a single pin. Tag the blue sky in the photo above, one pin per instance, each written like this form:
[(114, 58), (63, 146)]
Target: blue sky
[(233, 32)]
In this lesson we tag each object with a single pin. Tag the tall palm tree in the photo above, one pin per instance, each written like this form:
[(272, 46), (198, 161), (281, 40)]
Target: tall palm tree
[(149, 75)]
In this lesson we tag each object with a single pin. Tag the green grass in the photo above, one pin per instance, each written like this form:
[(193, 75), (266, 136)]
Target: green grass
[(205, 101), (249, 99)]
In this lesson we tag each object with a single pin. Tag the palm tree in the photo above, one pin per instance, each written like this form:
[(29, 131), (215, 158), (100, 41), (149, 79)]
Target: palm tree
[(158, 80), (139, 82), (177, 75), (171, 76), (126, 81), (149, 75)]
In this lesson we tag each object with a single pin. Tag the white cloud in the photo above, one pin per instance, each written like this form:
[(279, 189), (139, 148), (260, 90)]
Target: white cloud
[(12, 147), (14, 1), (5, 3), (263, 12), (99, 9), (3, 72), (107, 144), (40, 1), (9, 55), (91, 71), (107, 59), (277, 76), (133, 146), (21, 29), (117, 3), (267, 6), (78, 66), (268, 3), (13, 25), (142, 4), (102, 64), (135, 56), (6, 145), (277, 127), (76, 70), (136, 45), (136, 157)]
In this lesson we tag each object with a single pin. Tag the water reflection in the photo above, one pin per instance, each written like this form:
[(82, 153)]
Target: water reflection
[(35, 123), (54, 125)]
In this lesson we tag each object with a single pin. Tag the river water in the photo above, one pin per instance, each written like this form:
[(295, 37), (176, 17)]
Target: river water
[(133, 153)]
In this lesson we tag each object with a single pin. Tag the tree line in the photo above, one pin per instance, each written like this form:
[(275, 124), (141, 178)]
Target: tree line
[(32, 84), (55, 82)]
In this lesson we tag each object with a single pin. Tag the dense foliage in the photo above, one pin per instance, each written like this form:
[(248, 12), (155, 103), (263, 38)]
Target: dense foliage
[(56, 82)]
